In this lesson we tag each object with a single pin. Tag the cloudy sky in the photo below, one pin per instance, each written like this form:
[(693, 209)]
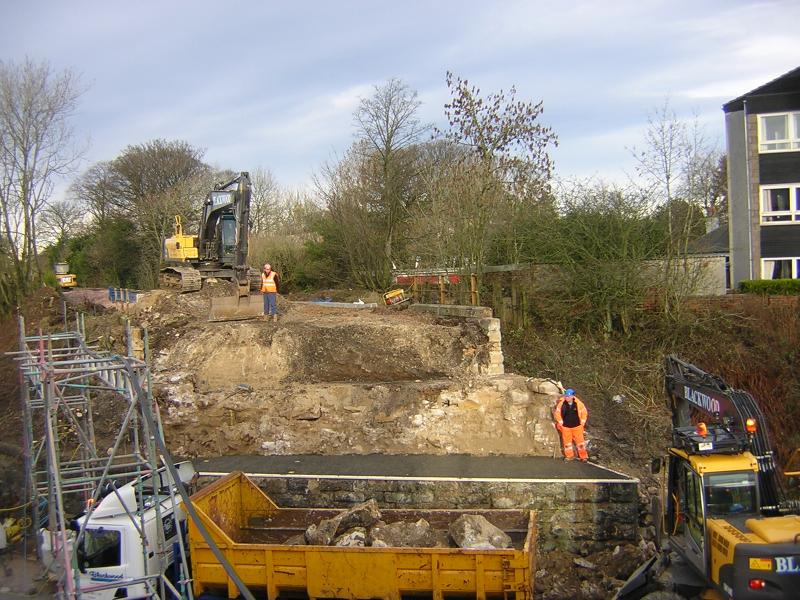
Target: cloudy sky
[(274, 84)]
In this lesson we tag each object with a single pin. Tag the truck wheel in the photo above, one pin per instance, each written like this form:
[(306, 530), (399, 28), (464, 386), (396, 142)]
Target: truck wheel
[(662, 595)]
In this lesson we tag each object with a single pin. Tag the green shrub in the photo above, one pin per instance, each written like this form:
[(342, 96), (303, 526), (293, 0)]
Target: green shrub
[(772, 287)]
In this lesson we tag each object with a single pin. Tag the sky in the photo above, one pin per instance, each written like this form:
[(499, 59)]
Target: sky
[(274, 84)]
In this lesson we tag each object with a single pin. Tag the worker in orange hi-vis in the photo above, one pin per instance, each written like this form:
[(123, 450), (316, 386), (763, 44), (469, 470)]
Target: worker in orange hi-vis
[(571, 415)]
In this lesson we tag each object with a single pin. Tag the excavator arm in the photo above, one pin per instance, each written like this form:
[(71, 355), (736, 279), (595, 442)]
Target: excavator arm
[(694, 395)]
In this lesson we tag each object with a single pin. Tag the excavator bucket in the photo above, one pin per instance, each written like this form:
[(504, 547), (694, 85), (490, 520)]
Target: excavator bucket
[(236, 308)]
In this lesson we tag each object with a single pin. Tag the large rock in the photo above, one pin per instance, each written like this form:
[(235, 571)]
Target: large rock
[(364, 515), (322, 534), (476, 532), (354, 538), (407, 535), (545, 386), (296, 540)]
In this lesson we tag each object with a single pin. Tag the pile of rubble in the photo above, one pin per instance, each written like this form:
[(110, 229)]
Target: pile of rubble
[(362, 525)]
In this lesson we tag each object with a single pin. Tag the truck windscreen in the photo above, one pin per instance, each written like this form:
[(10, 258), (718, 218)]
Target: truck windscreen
[(99, 548)]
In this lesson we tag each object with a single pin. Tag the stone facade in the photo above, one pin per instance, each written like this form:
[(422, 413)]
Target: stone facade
[(571, 515), (491, 362)]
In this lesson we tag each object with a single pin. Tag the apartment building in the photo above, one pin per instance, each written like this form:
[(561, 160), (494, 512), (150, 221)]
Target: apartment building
[(763, 143)]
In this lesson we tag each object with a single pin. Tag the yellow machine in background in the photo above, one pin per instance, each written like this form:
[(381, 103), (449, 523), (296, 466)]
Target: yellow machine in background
[(396, 297), (64, 277), (181, 246)]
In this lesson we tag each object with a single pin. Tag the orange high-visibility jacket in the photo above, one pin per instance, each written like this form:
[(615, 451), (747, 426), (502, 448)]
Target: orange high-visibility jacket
[(268, 284), (583, 414)]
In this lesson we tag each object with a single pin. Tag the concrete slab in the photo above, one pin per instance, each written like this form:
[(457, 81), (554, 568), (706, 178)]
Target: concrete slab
[(418, 467)]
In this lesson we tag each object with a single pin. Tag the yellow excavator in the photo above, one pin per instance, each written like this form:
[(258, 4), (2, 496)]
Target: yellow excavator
[(726, 529), (219, 251)]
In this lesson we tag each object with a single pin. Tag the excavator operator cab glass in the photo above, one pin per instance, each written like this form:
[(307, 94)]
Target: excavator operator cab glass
[(731, 494), (228, 234)]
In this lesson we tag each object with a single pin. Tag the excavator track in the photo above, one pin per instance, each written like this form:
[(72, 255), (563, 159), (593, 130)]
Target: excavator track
[(183, 279)]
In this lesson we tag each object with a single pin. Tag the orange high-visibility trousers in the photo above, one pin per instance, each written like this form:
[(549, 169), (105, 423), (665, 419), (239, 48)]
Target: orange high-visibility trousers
[(570, 435)]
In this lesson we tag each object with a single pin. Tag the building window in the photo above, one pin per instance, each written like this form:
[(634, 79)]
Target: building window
[(779, 132), (780, 203), (780, 268)]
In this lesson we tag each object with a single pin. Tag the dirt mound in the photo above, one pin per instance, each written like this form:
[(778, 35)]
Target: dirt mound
[(312, 344), (335, 380)]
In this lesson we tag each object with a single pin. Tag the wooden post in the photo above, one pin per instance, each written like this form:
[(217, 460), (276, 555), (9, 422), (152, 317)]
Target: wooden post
[(414, 289), (473, 289), (515, 303), (441, 289)]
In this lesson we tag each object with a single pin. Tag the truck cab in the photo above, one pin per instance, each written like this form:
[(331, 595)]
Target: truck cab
[(130, 539)]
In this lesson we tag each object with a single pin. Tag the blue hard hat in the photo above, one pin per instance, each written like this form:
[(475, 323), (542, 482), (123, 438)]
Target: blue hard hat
[(569, 392)]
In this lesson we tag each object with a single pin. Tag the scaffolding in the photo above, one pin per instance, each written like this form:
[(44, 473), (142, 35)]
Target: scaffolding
[(66, 384)]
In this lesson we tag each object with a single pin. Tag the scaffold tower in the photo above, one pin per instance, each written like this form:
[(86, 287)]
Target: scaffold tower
[(73, 461)]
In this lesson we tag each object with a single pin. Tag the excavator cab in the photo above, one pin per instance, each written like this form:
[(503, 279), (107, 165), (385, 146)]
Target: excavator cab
[(702, 488), (228, 238)]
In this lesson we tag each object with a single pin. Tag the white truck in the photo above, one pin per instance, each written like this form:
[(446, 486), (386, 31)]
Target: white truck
[(131, 539)]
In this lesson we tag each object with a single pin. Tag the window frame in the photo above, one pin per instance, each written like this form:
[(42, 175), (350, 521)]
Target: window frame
[(795, 264), (794, 204), (792, 129)]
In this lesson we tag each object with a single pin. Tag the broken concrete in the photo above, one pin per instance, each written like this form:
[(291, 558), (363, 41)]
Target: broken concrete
[(360, 516), (321, 534), (354, 538), (407, 535), (476, 532)]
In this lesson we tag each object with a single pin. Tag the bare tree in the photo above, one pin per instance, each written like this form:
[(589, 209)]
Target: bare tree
[(61, 220), (96, 190), (389, 127), (154, 182), (700, 171), (265, 211), (36, 146), (677, 165), (507, 159), (660, 162), (352, 238)]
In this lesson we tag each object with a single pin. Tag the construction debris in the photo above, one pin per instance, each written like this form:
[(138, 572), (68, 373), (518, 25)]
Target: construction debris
[(408, 535), (476, 532), (362, 526)]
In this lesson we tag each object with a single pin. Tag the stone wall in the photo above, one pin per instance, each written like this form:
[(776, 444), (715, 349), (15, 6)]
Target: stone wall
[(491, 362), (571, 515)]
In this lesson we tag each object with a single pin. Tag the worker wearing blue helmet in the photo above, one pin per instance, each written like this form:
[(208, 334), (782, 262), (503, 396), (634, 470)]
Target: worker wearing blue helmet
[(570, 415)]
